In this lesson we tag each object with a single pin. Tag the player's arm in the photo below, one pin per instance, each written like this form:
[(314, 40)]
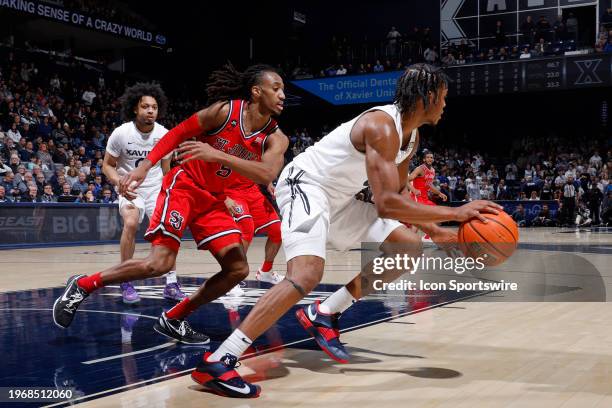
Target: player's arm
[(261, 172), (109, 168), (418, 172), (165, 165), (437, 192), (381, 144), (205, 120)]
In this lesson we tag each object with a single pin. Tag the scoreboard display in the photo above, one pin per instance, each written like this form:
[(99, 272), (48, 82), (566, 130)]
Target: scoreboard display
[(531, 75)]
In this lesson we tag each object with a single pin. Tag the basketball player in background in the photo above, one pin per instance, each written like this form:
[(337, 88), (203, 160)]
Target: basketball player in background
[(316, 197), (420, 183), (127, 146)]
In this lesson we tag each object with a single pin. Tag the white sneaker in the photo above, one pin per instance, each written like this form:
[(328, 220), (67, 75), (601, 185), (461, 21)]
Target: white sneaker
[(270, 277), (427, 241), (236, 291)]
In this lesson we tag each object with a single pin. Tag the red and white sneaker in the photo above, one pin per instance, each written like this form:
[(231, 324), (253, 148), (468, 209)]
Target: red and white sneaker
[(221, 378)]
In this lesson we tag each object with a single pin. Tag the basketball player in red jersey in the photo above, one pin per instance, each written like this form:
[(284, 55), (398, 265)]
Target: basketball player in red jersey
[(234, 136), (420, 183)]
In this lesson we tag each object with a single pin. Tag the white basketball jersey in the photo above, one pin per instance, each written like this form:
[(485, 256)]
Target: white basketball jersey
[(130, 146), (336, 165)]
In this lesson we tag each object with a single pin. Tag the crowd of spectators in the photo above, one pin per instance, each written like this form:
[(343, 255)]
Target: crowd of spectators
[(55, 117), (534, 39), (574, 175)]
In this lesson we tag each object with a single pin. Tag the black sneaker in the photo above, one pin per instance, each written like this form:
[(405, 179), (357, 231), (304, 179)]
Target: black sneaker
[(66, 305), (179, 330)]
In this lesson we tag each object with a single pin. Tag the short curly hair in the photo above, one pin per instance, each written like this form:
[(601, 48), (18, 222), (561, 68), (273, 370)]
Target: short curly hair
[(132, 96)]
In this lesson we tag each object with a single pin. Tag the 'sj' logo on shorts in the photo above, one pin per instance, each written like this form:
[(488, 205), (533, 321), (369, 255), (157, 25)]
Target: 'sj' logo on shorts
[(176, 220)]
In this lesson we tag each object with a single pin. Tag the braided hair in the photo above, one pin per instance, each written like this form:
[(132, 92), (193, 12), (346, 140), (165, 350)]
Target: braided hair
[(228, 83), (132, 96), (416, 83)]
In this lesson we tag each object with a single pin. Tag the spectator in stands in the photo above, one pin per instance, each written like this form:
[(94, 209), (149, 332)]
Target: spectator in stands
[(88, 197), (378, 67), (81, 183), (393, 38), (44, 156), (541, 48), (473, 189), (543, 29), (31, 196), (10, 189), (500, 34), (559, 29), (72, 176), (66, 192), (515, 54), (13, 133), (448, 58), (519, 216), (534, 196), (547, 191), (431, 55), (107, 196), (40, 181), (3, 197), (48, 195), (460, 192), (341, 70), (88, 96), (28, 153), (543, 219), (571, 25), (525, 54), (501, 191), (460, 60), (528, 29)]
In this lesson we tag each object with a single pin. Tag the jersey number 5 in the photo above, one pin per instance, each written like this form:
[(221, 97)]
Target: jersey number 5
[(224, 171)]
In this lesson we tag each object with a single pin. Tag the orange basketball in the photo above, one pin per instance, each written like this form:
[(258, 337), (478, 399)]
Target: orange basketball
[(494, 241)]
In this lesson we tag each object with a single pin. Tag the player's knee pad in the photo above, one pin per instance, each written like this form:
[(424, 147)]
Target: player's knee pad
[(274, 232)]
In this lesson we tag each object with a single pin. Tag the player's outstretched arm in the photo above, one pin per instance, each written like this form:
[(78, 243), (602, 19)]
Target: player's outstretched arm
[(202, 121), (261, 172), (381, 144)]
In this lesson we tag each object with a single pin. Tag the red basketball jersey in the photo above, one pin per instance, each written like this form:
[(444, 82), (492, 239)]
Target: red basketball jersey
[(231, 139), (423, 182)]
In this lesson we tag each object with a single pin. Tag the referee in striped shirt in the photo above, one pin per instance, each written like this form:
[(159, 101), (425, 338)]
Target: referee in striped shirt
[(569, 200)]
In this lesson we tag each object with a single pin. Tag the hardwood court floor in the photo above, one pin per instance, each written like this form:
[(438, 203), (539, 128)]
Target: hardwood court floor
[(465, 354)]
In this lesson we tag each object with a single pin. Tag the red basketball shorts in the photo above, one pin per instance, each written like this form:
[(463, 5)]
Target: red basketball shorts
[(181, 204), (254, 214)]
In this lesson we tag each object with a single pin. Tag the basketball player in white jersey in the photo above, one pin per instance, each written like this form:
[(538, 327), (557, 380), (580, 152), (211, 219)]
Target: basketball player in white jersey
[(316, 197), (127, 146)]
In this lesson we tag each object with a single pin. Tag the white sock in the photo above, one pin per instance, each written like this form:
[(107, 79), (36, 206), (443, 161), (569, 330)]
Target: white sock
[(235, 344), (126, 336), (170, 277), (338, 302)]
